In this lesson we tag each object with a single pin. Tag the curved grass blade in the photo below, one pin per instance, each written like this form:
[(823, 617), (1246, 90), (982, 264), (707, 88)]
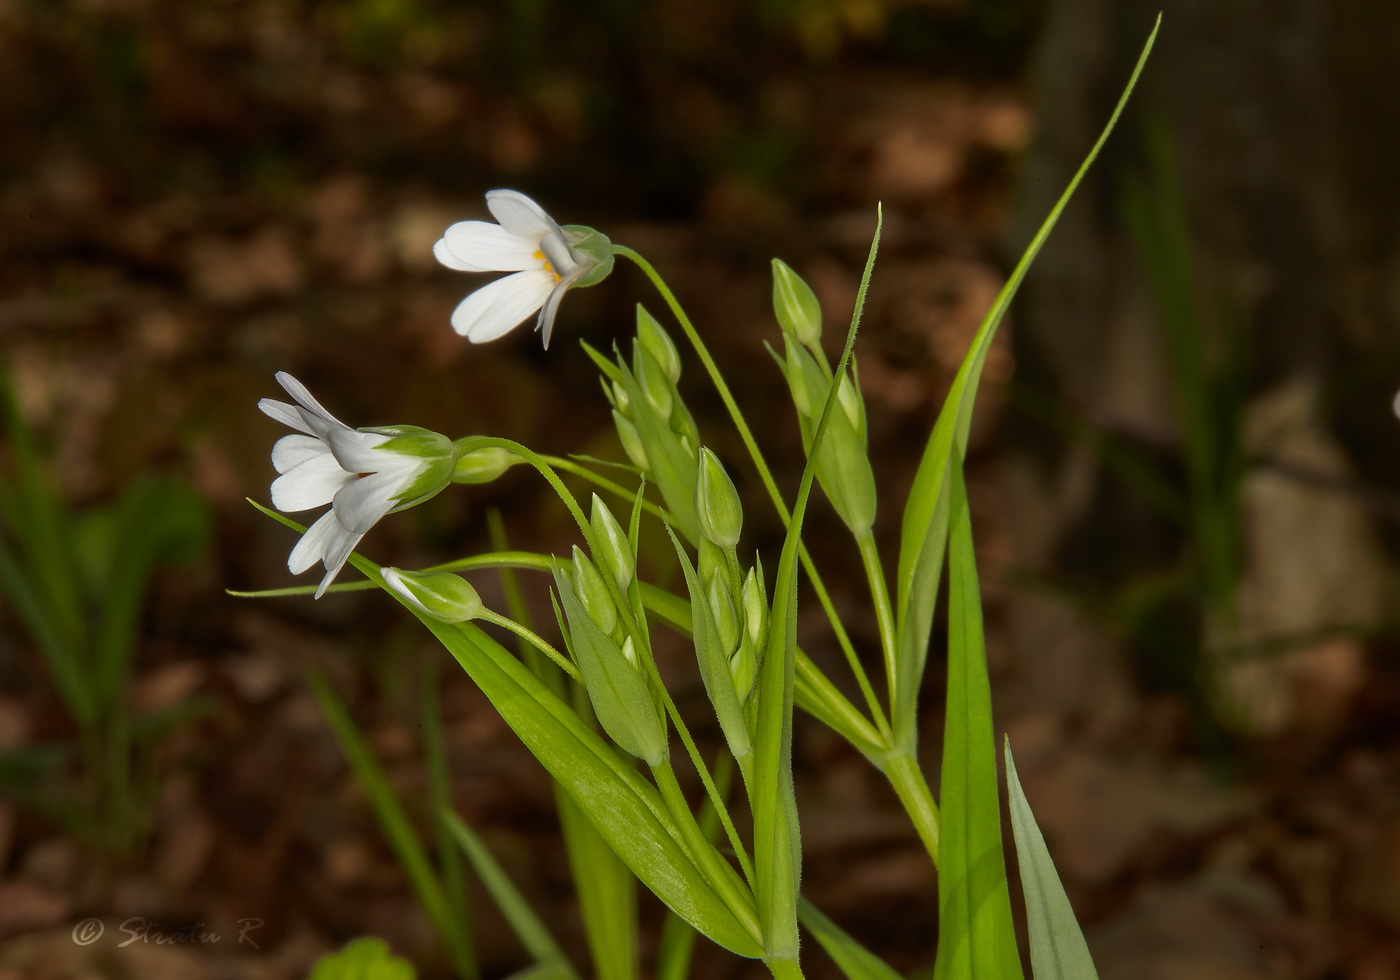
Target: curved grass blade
[(854, 960), (532, 933), (924, 527)]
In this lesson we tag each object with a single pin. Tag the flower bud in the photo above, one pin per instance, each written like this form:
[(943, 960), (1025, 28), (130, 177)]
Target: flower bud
[(717, 504), (631, 441), (593, 592), (656, 387), (795, 305), (483, 465), (658, 342), (615, 551), (755, 603), (743, 668), (441, 595), (726, 617)]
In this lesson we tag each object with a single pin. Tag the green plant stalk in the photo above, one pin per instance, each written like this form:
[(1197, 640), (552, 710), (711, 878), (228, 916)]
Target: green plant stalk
[(903, 771), (617, 489), (884, 612), (534, 639), (720, 876), (877, 712)]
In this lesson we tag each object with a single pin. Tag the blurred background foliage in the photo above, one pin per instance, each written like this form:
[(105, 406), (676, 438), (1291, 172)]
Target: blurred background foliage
[(1183, 469)]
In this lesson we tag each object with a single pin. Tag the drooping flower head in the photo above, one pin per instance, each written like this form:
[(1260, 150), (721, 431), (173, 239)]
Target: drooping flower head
[(545, 259), (362, 473)]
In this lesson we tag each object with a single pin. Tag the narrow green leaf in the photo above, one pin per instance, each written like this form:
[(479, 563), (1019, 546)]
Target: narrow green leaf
[(976, 938), (1058, 950), (625, 809), (924, 527), (854, 960), (454, 883), (607, 895), (392, 818), (532, 933)]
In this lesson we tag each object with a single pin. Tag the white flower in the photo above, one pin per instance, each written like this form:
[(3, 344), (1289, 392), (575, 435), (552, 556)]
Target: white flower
[(546, 261), (356, 471)]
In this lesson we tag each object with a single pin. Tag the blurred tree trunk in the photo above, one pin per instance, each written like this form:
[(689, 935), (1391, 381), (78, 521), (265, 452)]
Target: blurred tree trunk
[(1285, 120)]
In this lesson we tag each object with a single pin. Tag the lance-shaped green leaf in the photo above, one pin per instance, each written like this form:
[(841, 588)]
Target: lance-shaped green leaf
[(713, 661), (924, 528), (624, 807), (976, 938), (855, 961), (1058, 949), (616, 687)]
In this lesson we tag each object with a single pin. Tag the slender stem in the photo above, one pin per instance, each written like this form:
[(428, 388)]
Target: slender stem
[(904, 774), (711, 789), (765, 474), (571, 466), (720, 875), (884, 612), (534, 639)]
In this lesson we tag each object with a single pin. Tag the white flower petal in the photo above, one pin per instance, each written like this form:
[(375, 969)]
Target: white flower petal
[(520, 216), (545, 322), (308, 403), (337, 552), (291, 451), (360, 504), (288, 415), (562, 259), (313, 483), (479, 246), (357, 451), (497, 308), (312, 546)]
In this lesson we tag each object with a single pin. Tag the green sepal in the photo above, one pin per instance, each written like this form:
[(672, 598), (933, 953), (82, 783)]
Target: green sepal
[(595, 249), (655, 339)]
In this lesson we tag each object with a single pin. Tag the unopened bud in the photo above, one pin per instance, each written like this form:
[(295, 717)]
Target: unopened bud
[(717, 504), (651, 378), (659, 343), (755, 608), (795, 305), (726, 616), (593, 592), (483, 465), (615, 551), (441, 595), (631, 441)]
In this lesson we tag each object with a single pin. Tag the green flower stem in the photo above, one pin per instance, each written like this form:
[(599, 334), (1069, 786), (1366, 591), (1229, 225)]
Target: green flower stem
[(765, 474), (577, 469), (720, 876), (904, 774), (711, 787), (884, 612), (534, 639)]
